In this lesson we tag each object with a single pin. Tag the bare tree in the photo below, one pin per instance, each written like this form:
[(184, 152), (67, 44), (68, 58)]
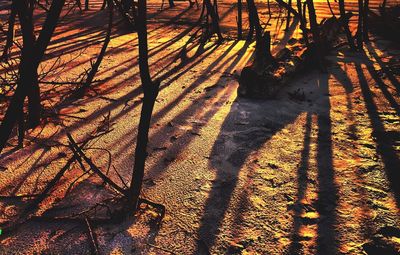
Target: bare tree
[(345, 24), (32, 54), (211, 12), (150, 91), (91, 74)]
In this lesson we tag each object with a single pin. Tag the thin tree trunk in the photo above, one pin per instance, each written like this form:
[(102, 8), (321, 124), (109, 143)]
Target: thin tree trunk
[(239, 19), (254, 21), (78, 3), (302, 22), (150, 90), (216, 8), (214, 19), (95, 67), (313, 21), (365, 20), (315, 33), (330, 8), (384, 4), (345, 24), (288, 15), (359, 33), (86, 5)]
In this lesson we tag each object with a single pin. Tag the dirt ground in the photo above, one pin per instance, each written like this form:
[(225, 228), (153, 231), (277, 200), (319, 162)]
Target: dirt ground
[(314, 171)]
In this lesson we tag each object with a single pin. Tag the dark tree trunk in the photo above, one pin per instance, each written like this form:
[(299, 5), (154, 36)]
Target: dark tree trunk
[(150, 91), (264, 81), (288, 15), (214, 19), (32, 54), (365, 20), (359, 34), (95, 67), (345, 24), (216, 8), (86, 5), (239, 19), (104, 5), (28, 68), (78, 3), (313, 20), (254, 21), (171, 3), (302, 22), (330, 8)]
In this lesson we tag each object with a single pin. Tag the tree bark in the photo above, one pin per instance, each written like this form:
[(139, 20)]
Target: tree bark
[(150, 91)]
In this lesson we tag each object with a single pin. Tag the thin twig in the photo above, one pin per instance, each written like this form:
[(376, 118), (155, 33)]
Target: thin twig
[(78, 152), (92, 236)]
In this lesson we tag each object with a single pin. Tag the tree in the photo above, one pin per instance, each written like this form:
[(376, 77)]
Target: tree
[(211, 12), (239, 19), (32, 54), (345, 24), (150, 91)]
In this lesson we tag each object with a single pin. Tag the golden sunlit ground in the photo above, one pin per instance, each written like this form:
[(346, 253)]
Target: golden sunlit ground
[(237, 176)]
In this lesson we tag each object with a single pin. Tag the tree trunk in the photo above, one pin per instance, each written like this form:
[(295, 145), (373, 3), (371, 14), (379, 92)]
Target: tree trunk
[(95, 67), (239, 19), (345, 24), (254, 21), (288, 16), (31, 56), (302, 22), (359, 33), (264, 81), (365, 20), (214, 19), (150, 90)]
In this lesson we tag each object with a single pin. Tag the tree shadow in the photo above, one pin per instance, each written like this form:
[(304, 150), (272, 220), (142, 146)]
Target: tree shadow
[(385, 140)]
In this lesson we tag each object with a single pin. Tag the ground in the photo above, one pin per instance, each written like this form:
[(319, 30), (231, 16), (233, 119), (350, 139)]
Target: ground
[(310, 172)]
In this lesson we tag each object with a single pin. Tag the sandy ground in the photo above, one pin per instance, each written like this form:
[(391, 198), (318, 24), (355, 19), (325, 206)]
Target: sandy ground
[(293, 175)]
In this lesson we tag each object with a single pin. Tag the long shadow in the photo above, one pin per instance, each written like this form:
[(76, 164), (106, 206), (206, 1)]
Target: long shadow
[(194, 110), (327, 190), (385, 140), (384, 67), (242, 140), (382, 86), (302, 183)]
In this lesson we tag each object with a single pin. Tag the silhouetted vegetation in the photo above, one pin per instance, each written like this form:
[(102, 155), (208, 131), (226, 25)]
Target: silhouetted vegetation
[(71, 71)]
